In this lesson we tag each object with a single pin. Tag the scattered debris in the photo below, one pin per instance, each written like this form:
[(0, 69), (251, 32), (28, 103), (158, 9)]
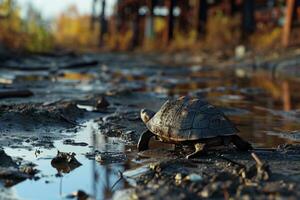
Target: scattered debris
[(102, 103), (6, 160), (11, 173), (263, 171), (193, 177), (73, 143), (65, 162), (79, 195), (107, 157)]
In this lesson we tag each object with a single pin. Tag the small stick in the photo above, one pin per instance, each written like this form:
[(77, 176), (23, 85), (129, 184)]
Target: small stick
[(15, 93), (121, 177), (256, 158)]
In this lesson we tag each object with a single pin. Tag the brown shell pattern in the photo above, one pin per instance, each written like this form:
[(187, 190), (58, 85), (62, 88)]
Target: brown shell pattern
[(190, 119)]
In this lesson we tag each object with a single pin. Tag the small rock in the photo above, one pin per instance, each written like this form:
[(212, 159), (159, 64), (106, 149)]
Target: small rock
[(6, 161), (65, 162), (79, 195), (193, 177), (102, 103), (178, 179), (73, 143), (107, 157), (28, 170)]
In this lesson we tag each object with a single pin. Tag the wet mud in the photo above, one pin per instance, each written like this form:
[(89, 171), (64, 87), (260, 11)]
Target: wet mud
[(75, 135)]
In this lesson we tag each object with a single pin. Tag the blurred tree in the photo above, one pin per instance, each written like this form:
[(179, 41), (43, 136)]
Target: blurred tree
[(30, 33), (5, 8), (11, 26), (39, 37), (73, 30)]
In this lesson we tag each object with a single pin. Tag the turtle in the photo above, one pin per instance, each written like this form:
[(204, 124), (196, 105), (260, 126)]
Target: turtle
[(190, 121)]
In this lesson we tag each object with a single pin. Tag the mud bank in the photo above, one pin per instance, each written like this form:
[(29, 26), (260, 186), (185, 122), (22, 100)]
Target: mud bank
[(87, 106)]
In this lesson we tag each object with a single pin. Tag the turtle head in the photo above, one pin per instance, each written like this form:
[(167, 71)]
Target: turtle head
[(146, 115)]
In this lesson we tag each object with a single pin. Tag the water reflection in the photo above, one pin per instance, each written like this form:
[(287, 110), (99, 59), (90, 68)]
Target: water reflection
[(258, 105), (92, 177)]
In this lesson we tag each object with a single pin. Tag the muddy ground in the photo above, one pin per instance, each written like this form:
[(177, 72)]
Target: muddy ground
[(69, 125)]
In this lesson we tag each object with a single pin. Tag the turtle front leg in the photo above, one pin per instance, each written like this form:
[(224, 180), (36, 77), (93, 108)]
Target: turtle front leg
[(240, 143), (144, 140), (200, 150)]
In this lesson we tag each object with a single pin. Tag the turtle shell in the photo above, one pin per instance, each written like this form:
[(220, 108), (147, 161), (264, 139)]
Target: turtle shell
[(187, 119)]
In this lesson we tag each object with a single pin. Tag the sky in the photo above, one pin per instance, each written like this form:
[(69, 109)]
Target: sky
[(52, 8)]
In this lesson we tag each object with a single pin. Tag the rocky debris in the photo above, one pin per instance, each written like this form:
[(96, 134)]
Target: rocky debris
[(36, 124), (102, 103), (107, 157), (79, 195), (263, 171), (28, 169), (125, 125), (73, 143), (65, 162), (11, 176), (59, 114), (211, 177), (255, 173), (6, 160), (11, 173)]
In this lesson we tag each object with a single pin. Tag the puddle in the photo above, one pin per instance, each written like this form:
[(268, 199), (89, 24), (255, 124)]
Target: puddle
[(91, 177)]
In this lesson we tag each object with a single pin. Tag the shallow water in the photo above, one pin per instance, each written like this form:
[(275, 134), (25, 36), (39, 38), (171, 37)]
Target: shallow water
[(258, 106), (91, 177)]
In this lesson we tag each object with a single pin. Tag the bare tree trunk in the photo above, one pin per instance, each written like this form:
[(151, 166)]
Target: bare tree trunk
[(102, 23), (170, 21), (135, 26), (201, 17), (92, 23), (248, 21), (149, 32), (290, 4)]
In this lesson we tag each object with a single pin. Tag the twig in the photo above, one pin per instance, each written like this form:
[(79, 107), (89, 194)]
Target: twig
[(121, 177), (15, 93), (256, 158)]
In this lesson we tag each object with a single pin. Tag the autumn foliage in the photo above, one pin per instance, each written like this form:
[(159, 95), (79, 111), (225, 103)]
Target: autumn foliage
[(29, 34), (73, 30), (32, 33)]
